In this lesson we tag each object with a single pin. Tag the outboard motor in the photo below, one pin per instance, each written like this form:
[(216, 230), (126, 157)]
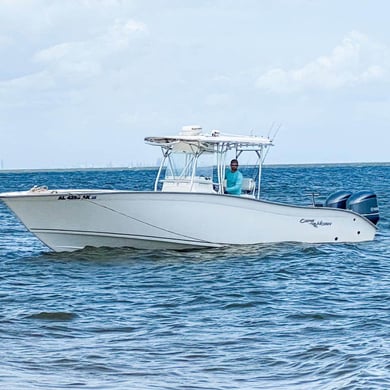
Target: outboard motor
[(338, 199), (365, 203)]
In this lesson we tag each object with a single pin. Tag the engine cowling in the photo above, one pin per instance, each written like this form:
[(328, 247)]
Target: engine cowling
[(365, 203), (338, 199)]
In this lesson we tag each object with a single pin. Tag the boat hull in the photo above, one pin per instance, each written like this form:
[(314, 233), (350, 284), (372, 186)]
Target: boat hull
[(68, 220)]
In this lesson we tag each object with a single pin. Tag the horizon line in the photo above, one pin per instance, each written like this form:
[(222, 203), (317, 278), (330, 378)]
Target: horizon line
[(150, 167)]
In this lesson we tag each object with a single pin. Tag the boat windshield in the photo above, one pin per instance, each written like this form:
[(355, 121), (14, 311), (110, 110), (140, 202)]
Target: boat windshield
[(184, 165)]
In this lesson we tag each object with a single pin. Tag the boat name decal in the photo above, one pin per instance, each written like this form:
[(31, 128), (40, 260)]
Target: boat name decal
[(76, 197), (315, 223)]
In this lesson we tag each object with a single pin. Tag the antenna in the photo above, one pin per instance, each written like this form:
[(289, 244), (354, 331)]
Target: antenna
[(276, 132), (270, 130), (271, 137)]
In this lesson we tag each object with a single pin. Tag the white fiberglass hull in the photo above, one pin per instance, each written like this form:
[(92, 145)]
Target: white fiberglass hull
[(67, 220)]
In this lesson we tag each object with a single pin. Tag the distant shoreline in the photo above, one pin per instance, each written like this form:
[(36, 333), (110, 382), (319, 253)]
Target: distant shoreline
[(34, 170), (146, 168)]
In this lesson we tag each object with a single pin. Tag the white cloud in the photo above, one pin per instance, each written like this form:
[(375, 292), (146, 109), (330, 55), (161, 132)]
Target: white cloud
[(38, 80), (83, 60), (355, 61), (71, 62), (121, 33), (69, 66)]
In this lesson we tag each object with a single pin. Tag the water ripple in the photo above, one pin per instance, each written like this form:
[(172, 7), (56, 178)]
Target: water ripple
[(286, 316)]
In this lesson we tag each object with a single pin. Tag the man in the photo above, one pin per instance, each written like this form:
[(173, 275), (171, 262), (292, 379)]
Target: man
[(233, 179)]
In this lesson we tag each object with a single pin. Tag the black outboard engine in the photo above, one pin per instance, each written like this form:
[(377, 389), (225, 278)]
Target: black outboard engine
[(338, 199), (365, 203)]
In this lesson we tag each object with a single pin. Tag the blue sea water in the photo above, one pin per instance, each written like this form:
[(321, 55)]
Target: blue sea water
[(286, 316)]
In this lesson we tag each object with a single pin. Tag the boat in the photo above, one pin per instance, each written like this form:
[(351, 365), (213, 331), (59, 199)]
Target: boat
[(188, 206)]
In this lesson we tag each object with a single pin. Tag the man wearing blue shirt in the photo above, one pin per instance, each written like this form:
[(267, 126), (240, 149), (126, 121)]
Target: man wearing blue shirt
[(233, 179)]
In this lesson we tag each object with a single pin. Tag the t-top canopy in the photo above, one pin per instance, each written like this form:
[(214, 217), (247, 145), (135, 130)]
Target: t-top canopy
[(207, 142)]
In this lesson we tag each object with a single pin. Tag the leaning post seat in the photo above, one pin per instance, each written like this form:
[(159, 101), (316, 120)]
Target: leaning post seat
[(248, 186)]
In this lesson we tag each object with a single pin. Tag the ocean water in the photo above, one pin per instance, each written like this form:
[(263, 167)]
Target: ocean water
[(286, 316)]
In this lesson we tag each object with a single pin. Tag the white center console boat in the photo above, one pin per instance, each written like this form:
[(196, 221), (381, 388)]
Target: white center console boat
[(188, 207)]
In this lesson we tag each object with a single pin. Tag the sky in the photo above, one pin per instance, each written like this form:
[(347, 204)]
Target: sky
[(83, 82)]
